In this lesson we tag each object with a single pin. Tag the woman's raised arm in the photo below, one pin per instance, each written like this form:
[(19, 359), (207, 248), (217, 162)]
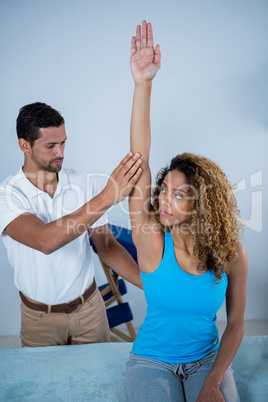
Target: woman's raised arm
[(145, 62)]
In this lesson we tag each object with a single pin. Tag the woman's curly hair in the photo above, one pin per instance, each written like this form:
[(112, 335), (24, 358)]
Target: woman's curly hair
[(215, 219)]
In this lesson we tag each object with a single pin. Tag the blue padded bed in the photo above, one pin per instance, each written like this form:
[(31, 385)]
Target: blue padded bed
[(95, 372)]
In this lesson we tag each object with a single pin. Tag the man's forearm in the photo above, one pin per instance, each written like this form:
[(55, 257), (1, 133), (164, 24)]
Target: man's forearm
[(58, 233), (31, 231)]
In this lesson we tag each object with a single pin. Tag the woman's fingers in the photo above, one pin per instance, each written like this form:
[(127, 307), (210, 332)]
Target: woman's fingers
[(133, 46), (144, 34), (138, 37), (150, 35)]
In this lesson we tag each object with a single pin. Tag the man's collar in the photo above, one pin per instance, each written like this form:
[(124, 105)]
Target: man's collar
[(20, 180)]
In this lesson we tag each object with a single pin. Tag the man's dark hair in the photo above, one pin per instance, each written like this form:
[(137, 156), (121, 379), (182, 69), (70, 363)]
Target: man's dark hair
[(35, 116)]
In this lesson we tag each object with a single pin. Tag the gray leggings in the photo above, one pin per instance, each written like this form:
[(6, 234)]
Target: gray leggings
[(149, 380)]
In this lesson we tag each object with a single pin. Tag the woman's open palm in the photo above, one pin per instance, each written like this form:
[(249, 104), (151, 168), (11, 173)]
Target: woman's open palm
[(145, 60)]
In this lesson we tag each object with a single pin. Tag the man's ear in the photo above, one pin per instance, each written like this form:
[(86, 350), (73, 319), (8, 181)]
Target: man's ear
[(24, 146)]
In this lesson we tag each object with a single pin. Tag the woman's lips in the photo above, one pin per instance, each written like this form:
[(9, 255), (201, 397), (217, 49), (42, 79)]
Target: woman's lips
[(163, 212)]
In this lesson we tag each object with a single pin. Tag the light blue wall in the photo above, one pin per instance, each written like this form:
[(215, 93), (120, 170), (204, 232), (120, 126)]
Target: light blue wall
[(210, 97)]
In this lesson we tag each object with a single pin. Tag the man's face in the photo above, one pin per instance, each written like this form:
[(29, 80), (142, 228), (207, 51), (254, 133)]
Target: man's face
[(48, 151)]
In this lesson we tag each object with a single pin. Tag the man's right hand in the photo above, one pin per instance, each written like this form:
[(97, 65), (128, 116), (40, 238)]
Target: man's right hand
[(123, 178)]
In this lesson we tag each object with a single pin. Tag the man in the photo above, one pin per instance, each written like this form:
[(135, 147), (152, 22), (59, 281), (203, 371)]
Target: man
[(46, 213)]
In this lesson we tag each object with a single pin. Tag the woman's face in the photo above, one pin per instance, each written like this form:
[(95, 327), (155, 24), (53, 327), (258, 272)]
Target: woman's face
[(174, 199)]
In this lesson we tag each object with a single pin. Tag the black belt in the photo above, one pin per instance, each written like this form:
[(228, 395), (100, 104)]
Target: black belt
[(61, 308)]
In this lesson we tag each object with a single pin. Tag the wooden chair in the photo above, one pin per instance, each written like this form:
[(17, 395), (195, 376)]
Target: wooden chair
[(120, 313), (115, 288)]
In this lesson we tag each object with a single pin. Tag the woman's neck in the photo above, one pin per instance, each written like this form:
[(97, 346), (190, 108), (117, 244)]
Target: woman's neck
[(182, 239)]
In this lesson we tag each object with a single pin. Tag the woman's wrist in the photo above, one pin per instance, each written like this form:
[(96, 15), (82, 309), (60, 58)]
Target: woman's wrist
[(144, 84), (213, 380)]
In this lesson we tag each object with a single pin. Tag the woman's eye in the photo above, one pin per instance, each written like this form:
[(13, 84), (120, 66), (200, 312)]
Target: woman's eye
[(178, 196), (162, 190)]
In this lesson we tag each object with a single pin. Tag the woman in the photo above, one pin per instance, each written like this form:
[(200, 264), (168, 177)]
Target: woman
[(190, 259)]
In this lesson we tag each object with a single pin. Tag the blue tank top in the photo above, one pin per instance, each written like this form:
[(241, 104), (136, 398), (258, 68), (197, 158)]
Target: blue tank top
[(180, 325)]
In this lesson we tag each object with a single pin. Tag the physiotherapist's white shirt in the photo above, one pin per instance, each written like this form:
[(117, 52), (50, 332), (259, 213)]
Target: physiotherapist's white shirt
[(65, 274)]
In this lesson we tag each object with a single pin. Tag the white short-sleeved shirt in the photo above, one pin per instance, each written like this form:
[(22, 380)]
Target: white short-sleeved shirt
[(65, 274)]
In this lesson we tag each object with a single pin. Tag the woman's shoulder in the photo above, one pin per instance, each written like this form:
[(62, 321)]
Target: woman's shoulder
[(150, 252), (239, 264)]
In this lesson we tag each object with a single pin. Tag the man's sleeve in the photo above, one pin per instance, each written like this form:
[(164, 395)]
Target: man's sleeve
[(12, 205)]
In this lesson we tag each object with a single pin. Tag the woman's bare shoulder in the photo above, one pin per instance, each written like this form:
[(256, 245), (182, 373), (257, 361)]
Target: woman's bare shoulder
[(239, 264), (150, 250)]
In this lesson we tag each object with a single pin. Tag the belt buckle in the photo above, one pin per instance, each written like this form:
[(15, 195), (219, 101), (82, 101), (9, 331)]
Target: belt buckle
[(69, 306)]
